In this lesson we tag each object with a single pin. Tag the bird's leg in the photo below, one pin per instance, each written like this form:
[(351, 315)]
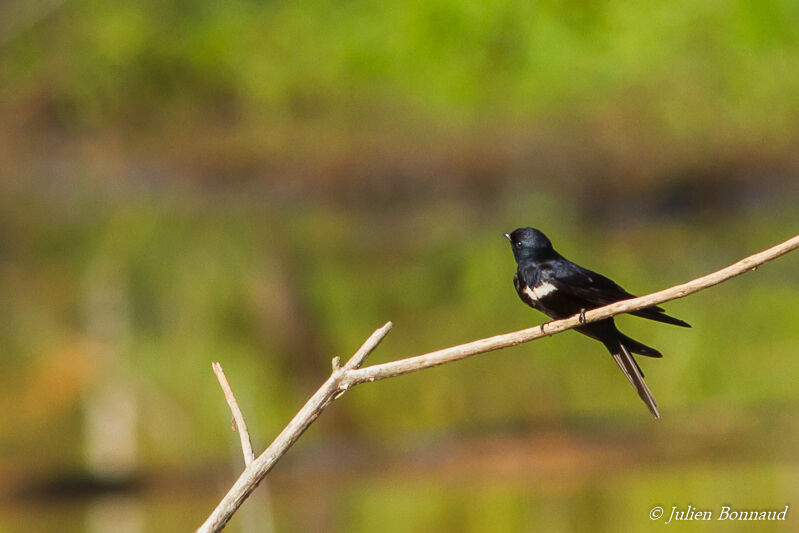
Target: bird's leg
[(582, 316), (544, 324)]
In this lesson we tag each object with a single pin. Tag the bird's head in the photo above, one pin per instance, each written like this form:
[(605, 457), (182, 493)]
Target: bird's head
[(529, 243)]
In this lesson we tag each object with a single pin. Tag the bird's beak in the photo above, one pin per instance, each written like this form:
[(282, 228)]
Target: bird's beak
[(507, 235)]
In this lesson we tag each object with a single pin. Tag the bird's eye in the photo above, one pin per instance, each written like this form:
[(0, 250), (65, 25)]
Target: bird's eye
[(518, 244)]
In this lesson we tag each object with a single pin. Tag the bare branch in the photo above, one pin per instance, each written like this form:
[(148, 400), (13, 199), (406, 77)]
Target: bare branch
[(257, 470), (238, 418), (368, 347), (455, 353), (350, 374)]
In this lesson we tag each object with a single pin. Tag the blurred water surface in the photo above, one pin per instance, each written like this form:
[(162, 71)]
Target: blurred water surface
[(264, 184)]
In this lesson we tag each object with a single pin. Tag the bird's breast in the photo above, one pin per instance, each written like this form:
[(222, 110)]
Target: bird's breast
[(539, 291)]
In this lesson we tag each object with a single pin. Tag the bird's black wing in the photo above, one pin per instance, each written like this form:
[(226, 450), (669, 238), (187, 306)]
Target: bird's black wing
[(595, 290)]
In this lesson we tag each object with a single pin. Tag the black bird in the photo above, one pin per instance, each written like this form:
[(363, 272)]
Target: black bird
[(546, 281)]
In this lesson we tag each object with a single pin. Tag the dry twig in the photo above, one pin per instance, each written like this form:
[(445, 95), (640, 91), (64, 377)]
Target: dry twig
[(343, 378), (238, 418)]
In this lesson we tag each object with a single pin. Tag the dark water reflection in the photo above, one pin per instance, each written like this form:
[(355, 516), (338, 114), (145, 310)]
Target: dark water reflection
[(598, 475)]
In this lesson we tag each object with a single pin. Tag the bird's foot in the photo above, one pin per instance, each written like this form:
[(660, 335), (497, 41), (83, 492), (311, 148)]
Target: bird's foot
[(582, 316), (544, 324)]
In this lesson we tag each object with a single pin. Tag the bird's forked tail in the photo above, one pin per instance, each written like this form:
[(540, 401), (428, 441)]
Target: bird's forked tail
[(621, 354)]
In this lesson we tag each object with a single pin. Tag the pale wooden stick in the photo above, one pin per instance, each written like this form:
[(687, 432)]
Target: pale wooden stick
[(342, 378), (257, 470), (238, 418), (455, 353)]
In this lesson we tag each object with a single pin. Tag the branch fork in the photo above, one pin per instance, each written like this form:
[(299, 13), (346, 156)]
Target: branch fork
[(342, 378)]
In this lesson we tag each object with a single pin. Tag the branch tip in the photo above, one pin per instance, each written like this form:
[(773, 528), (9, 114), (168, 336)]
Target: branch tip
[(352, 375), (238, 418), (368, 346)]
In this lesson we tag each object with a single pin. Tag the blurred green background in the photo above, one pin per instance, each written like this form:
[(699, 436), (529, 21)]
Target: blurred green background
[(264, 184)]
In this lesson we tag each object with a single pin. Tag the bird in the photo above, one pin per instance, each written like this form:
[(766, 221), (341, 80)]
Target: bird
[(559, 288)]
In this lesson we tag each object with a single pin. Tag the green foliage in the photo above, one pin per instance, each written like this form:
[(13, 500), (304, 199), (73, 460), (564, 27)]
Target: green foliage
[(273, 285), (202, 283), (685, 68)]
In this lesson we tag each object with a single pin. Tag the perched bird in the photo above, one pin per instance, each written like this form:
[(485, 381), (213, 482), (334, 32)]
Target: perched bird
[(547, 281)]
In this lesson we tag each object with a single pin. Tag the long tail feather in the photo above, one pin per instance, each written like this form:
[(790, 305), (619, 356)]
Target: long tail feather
[(638, 347), (621, 354)]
